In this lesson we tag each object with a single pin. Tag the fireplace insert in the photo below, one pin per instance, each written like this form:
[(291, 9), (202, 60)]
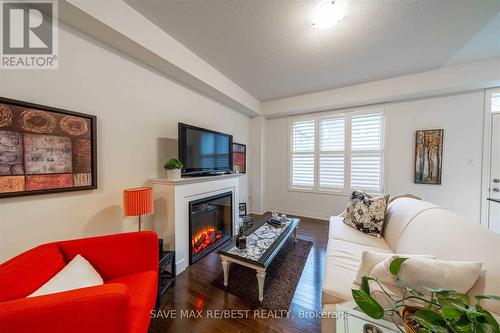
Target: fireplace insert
[(210, 224)]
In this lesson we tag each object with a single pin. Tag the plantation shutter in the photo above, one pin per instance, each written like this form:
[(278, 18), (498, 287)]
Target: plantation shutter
[(367, 152), (303, 147), (331, 152)]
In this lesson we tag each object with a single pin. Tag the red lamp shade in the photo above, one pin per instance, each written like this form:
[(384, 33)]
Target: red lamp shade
[(138, 201)]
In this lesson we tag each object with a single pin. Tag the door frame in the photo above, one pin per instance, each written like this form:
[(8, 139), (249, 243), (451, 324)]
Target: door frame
[(486, 171)]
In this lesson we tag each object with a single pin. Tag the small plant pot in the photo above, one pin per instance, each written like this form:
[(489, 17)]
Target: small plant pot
[(410, 325), (174, 174)]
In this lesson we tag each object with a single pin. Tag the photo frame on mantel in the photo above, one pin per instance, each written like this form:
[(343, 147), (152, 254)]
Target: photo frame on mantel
[(240, 157), (45, 149)]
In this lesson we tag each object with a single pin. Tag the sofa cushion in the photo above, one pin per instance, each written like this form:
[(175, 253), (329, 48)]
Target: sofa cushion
[(341, 264), (421, 273), (78, 273), (339, 230), (143, 289), (366, 214), (25, 273), (371, 259)]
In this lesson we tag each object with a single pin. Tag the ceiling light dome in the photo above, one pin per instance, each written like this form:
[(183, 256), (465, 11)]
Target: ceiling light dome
[(328, 13)]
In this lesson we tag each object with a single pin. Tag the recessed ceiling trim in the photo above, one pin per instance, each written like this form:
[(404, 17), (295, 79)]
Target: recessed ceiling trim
[(449, 80), (120, 26)]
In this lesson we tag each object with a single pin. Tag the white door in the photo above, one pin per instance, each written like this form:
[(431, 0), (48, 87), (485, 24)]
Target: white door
[(494, 202)]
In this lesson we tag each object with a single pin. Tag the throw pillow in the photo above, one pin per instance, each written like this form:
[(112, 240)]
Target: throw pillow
[(420, 273), (370, 259), (366, 214), (78, 273)]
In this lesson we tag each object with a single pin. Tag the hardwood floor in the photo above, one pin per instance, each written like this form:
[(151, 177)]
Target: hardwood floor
[(194, 296)]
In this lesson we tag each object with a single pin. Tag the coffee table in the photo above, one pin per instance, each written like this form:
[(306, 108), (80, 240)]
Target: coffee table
[(264, 242)]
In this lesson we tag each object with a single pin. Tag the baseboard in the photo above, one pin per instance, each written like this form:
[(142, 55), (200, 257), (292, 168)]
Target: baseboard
[(302, 213), (257, 212)]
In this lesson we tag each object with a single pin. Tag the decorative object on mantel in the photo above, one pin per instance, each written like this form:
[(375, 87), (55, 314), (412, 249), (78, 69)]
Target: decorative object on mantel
[(45, 150), (428, 156), (138, 202), (173, 167), (239, 157), (243, 208)]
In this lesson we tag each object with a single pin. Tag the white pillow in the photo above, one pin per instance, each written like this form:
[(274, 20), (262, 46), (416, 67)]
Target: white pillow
[(78, 273), (370, 259), (420, 273)]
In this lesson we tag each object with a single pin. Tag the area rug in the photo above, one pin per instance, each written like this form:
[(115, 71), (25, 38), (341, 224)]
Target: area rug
[(282, 277)]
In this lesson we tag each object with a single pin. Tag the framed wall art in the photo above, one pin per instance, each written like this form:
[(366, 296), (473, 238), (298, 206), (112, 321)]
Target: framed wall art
[(240, 157), (45, 149), (428, 156)]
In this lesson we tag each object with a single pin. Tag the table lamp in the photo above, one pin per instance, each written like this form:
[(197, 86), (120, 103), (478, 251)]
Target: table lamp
[(137, 202)]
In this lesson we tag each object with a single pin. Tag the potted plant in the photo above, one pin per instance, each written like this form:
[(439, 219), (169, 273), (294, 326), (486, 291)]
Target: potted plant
[(173, 167), (436, 311)]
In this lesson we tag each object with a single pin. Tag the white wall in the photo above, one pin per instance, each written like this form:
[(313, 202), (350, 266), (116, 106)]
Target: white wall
[(136, 109), (257, 193), (461, 117)]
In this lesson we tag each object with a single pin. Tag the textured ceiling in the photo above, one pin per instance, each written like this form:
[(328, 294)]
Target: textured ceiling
[(270, 49)]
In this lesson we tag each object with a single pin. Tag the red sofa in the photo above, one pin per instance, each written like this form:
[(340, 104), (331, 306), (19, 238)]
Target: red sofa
[(128, 264)]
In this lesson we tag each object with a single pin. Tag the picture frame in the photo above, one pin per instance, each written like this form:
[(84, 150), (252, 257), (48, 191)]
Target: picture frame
[(240, 157), (45, 150), (242, 208), (428, 156)]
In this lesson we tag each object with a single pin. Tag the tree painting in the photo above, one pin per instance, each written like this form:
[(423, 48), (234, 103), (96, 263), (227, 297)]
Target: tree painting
[(428, 156)]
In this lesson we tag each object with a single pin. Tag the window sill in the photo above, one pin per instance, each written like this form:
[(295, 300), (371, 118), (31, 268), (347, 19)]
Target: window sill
[(320, 191), (315, 191)]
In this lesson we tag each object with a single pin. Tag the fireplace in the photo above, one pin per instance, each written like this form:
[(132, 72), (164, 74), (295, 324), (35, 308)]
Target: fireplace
[(210, 224)]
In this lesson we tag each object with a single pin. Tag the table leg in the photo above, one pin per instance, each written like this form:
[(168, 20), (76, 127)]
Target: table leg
[(295, 234), (261, 275), (225, 268)]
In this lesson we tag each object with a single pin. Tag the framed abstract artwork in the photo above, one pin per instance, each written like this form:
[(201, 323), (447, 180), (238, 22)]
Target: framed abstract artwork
[(45, 150), (428, 156), (240, 157)]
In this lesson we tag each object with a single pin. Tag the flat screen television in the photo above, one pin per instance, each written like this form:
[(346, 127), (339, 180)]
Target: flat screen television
[(204, 152)]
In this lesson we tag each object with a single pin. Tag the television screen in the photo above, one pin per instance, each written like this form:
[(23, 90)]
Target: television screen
[(204, 151)]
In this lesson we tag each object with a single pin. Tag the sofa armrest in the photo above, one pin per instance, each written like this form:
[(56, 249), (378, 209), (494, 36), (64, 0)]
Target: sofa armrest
[(116, 255), (95, 309)]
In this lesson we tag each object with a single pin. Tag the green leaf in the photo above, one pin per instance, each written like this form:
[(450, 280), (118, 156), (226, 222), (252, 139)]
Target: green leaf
[(486, 317), (492, 297), (368, 304), (450, 298), (431, 321), (463, 325), (365, 285), (438, 290), (451, 314), (395, 265), (485, 328)]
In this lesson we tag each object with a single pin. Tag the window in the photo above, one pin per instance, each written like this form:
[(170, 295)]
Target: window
[(337, 152), (495, 103)]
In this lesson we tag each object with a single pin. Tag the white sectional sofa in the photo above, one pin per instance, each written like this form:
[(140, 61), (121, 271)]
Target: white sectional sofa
[(413, 227)]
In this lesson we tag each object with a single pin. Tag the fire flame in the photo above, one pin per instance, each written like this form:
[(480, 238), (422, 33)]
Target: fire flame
[(204, 239)]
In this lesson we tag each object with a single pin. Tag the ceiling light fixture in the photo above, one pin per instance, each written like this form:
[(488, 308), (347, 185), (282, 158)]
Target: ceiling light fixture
[(328, 13)]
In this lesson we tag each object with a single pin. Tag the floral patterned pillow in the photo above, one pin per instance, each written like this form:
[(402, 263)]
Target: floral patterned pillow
[(367, 214)]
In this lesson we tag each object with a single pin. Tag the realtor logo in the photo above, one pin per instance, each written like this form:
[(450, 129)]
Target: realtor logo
[(29, 34)]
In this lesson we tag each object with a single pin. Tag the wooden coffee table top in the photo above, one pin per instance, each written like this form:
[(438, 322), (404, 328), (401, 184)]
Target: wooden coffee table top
[(264, 241)]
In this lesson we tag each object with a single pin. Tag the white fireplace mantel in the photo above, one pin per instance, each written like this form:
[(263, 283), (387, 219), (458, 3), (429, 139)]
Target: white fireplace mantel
[(171, 216)]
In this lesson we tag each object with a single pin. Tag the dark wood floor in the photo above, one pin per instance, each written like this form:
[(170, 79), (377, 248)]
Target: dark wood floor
[(193, 292)]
